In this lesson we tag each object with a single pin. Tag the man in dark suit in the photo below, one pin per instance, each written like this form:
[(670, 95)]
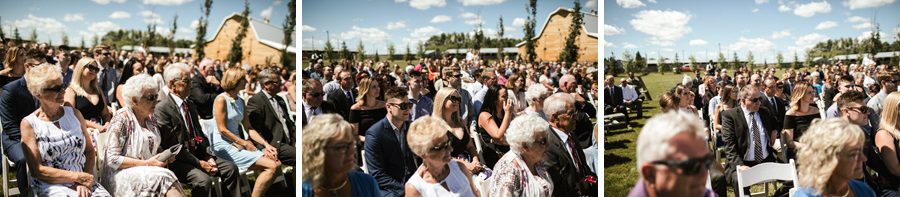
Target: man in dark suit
[(108, 77), (344, 97), (388, 156), (269, 116), (565, 161), (749, 133), (312, 101), (205, 88), (16, 103), (178, 123), (612, 95), (772, 103)]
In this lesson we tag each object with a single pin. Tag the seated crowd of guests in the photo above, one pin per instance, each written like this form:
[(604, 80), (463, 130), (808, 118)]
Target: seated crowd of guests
[(839, 123), (97, 124), (449, 127)]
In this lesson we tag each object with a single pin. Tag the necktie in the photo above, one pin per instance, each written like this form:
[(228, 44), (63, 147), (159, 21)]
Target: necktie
[(349, 96), (189, 124), (276, 105), (572, 150), (757, 142), (314, 110)]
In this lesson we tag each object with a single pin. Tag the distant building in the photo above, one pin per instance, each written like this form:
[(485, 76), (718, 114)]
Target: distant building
[(551, 39), (262, 44)]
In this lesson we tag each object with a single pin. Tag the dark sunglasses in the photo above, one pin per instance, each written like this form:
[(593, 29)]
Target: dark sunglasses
[(690, 166), (755, 100), (93, 68), (403, 106), (454, 99), (456, 75), (316, 94), (57, 89)]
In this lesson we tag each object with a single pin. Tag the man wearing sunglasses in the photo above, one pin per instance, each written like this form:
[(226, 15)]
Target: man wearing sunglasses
[(453, 79), (388, 156), (313, 104), (672, 158), (16, 102), (749, 132), (845, 84), (107, 77)]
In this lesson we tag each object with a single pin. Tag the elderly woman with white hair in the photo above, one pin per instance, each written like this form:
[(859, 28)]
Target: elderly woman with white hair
[(329, 160), (520, 171), (832, 160), (132, 166), (535, 96), (55, 140), (439, 174)]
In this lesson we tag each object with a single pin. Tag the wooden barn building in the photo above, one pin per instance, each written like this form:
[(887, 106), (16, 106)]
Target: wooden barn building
[(262, 44), (551, 39)]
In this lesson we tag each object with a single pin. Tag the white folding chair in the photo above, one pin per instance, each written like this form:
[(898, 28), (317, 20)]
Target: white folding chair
[(363, 166), (208, 126), (765, 173), (5, 168)]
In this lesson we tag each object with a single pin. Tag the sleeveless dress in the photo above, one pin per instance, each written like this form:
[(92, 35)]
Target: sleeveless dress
[(234, 114), (128, 139), (61, 148), (460, 146), (90, 112), (456, 181)]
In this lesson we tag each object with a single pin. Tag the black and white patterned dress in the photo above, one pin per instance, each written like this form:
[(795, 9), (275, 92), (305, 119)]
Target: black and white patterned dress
[(61, 147)]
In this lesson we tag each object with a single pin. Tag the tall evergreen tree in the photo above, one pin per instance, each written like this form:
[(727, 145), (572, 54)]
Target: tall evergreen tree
[(500, 36), (570, 49), (290, 21), (82, 42), (345, 53), (237, 52), (750, 59), (360, 52), (391, 52), (16, 33), (377, 58), (779, 59), (737, 63), (406, 57), (172, 35), (329, 50), (795, 64), (200, 40), (722, 60), (530, 45)]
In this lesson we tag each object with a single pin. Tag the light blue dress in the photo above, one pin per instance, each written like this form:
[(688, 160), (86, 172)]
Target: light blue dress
[(223, 147)]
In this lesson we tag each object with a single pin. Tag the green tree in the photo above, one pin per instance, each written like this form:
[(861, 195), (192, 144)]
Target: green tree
[(237, 52), (750, 59), (737, 63), (65, 39), (612, 65), (420, 50), (529, 31), (172, 35), (500, 36), (82, 42), (640, 63), (779, 59), (16, 33), (290, 21), (200, 40), (407, 57), (391, 52), (377, 58), (722, 60), (329, 50), (360, 51), (795, 64), (345, 53), (808, 59), (694, 65), (661, 66), (570, 49)]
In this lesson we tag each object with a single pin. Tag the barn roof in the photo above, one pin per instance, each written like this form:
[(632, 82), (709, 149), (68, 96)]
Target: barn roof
[(267, 34), (588, 21)]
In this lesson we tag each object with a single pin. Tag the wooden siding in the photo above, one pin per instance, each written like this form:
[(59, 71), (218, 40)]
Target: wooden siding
[(255, 52), (551, 42)]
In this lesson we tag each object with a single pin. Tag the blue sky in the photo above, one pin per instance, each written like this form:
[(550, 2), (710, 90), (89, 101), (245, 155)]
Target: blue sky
[(52, 18), (764, 27), (377, 22)]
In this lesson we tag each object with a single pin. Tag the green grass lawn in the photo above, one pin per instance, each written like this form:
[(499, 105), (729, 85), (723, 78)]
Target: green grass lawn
[(620, 173)]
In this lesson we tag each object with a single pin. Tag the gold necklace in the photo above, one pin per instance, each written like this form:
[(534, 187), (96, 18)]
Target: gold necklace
[(334, 192)]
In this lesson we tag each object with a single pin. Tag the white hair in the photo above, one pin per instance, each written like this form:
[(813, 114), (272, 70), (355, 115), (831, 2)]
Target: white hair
[(525, 130), (535, 91), (653, 142), (686, 80), (556, 103), (174, 71), (206, 62), (135, 87)]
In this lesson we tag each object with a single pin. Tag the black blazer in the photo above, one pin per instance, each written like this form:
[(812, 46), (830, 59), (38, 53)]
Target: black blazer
[(614, 100), (735, 134), (326, 106), (173, 130), (566, 180), (390, 163), (203, 94), (777, 109), (265, 120), (341, 102), (16, 102)]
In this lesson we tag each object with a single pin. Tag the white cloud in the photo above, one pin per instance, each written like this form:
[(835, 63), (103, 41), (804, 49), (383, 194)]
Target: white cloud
[(761, 1), (119, 15), (519, 22), (151, 17), (812, 8), (783, 8), (73, 17), (607, 44), (859, 4), (591, 4), (866, 25), (664, 27), (857, 19), (756, 45), (425, 4), (307, 28), (697, 42), (755, 10), (610, 30), (781, 34), (43, 25), (441, 19), (480, 2), (104, 2), (471, 18), (810, 40), (367, 34), (628, 46), (267, 12), (826, 25), (396, 25), (100, 28), (630, 3), (163, 31), (422, 34), (165, 2), (868, 34), (196, 23)]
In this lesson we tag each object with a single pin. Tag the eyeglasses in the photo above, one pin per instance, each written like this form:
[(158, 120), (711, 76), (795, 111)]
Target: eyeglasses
[(403, 106), (454, 99), (316, 94), (93, 68), (691, 166), (440, 147), (56, 89), (342, 148)]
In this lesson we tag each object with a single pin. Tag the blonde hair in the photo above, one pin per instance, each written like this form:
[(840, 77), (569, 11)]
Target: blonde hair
[(890, 115), (438, 110), (93, 86), (799, 92), (824, 140), (423, 131), (232, 77), (38, 77), (12, 55), (364, 85), (316, 135)]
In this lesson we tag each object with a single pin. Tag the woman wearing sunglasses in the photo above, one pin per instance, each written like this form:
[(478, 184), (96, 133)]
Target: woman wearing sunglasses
[(439, 174), (446, 108), (520, 172), (56, 142), (831, 161), (84, 93), (329, 154)]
